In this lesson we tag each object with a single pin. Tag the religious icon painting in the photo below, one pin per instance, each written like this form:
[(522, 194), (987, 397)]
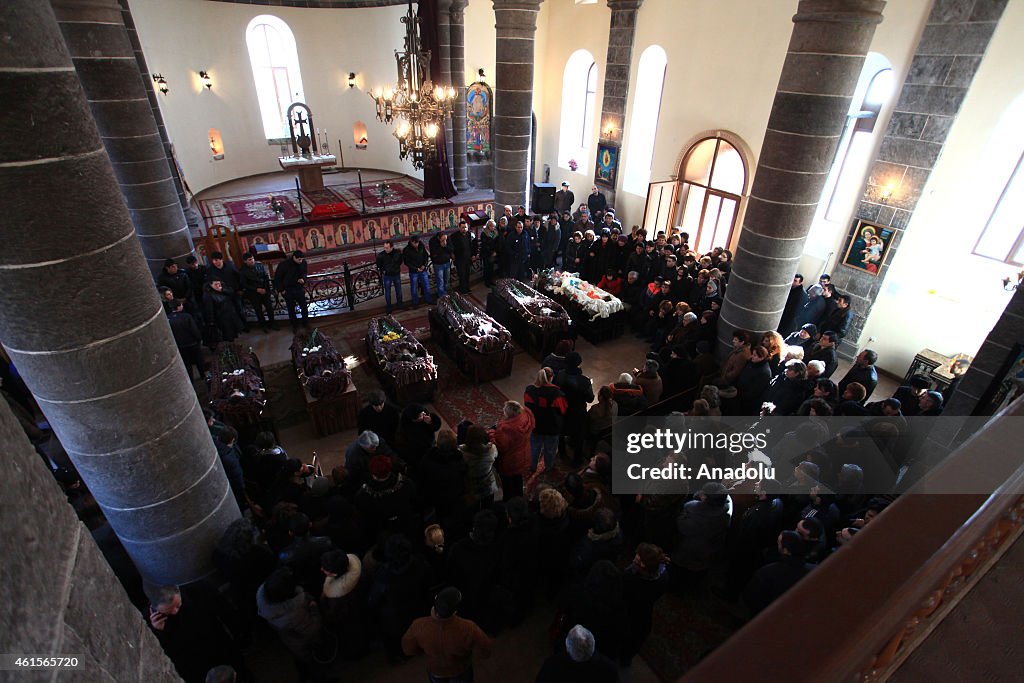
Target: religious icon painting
[(478, 120), (313, 240), (867, 246), (607, 164), (285, 241)]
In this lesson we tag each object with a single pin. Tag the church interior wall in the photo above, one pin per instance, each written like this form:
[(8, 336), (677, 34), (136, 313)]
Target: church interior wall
[(179, 38), (938, 294), (723, 64)]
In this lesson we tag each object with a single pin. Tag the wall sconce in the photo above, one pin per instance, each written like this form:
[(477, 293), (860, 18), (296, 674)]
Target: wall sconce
[(207, 81), (480, 74), (1007, 280), (609, 129), (351, 79), (161, 83), (886, 194)]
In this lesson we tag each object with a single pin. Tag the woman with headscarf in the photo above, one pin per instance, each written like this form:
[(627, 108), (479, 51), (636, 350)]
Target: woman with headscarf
[(479, 455)]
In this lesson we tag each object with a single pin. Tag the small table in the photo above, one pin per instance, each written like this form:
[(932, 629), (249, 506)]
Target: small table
[(311, 175), (334, 414), (932, 365)]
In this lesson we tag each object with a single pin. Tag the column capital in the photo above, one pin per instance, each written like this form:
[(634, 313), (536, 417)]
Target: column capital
[(529, 5), (457, 9), (624, 5), (839, 11)]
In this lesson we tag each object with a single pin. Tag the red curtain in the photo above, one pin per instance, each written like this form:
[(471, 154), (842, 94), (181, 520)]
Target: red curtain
[(437, 178)]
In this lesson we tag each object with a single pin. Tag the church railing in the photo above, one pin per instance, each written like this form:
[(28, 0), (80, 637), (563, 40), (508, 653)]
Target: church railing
[(860, 614), (340, 291)]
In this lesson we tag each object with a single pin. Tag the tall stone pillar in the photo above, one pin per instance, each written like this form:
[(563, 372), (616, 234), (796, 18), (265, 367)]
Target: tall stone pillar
[(154, 105), (826, 53), (621, 32), (82, 321), (444, 55), (948, 54), (516, 24), (458, 81), (103, 55)]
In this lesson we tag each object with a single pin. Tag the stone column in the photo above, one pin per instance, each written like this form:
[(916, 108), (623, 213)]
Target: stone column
[(621, 33), (458, 81), (516, 24), (82, 321), (826, 53), (154, 105), (950, 50), (444, 52), (56, 580), (105, 61)]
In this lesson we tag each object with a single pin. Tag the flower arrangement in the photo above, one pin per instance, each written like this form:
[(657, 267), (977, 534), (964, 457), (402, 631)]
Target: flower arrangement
[(573, 165)]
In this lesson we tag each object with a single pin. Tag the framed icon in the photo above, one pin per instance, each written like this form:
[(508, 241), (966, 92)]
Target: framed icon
[(867, 246), (607, 169)]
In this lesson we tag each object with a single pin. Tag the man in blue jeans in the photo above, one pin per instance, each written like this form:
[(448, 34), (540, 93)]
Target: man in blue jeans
[(441, 255), (415, 258), (389, 262)]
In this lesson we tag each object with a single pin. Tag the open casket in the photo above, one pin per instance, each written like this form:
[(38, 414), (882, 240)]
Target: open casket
[(480, 346), (331, 398), (237, 390), (536, 322), (598, 315), (400, 359)]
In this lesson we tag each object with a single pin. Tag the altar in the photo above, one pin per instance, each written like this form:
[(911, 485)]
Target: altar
[(310, 169), (306, 157)]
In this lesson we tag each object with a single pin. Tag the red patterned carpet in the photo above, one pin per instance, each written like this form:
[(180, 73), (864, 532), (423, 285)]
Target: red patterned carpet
[(457, 397), (248, 211), (405, 193)]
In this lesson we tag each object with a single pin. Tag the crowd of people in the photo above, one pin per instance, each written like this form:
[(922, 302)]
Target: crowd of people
[(430, 540)]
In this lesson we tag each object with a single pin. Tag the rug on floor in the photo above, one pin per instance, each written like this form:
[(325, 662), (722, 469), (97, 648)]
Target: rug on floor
[(404, 193), (457, 398), (284, 395), (249, 211)]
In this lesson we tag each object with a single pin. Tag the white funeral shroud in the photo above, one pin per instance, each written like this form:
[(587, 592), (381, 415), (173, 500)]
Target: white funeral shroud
[(597, 302)]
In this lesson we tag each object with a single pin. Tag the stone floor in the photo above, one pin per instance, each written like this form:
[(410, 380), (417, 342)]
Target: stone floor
[(602, 363), (518, 653)]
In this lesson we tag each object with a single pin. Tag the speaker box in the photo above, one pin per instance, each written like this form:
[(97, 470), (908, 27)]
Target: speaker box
[(543, 198)]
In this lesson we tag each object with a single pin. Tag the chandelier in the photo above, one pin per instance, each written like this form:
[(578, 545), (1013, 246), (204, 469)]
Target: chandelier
[(420, 106)]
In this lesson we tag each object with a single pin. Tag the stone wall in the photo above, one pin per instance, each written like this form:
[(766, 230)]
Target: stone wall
[(948, 55), (59, 596)]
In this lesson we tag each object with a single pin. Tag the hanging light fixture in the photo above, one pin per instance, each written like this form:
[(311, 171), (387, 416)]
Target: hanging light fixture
[(420, 106)]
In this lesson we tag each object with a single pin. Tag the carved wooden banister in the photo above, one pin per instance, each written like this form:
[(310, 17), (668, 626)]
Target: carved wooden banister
[(860, 614)]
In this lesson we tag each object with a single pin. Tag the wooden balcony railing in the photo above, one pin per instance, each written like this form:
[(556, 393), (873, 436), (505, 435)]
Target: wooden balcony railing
[(861, 613)]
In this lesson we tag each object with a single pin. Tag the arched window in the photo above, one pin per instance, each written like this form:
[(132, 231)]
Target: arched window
[(579, 97), (843, 185), (643, 127), (713, 177), (275, 68), (1003, 236)]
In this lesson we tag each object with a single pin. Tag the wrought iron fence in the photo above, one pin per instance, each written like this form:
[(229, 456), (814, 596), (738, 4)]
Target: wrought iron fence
[(341, 290)]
